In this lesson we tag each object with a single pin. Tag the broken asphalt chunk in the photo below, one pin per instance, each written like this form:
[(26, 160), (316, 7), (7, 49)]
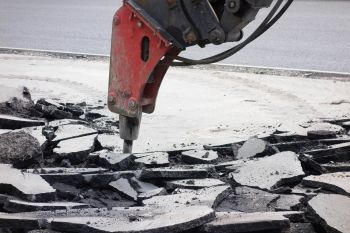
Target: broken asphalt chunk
[(337, 167), (301, 228), (63, 170), (76, 150), (335, 153), (331, 211), (28, 186), (113, 160), (37, 133), (20, 149), (194, 183), (321, 134), (152, 193), (335, 182), (72, 176), (251, 148), (12, 122), (141, 186), (65, 132), (323, 126), (248, 200), (102, 180), (199, 156), (269, 172), (17, 206), (110, 142), (124, 187), (57, 123), (156, 159), (210, 197), (288, 202), (346, 125), (133, 219), (232, 222), (179, 172)]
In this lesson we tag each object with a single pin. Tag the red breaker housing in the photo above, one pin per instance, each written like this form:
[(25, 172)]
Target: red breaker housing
[(140, 57)]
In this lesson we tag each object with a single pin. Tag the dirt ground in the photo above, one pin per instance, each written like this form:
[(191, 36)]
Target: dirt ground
[(195, 106)]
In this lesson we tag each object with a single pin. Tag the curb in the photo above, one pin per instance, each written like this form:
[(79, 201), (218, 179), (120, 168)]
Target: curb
[(220, 66)]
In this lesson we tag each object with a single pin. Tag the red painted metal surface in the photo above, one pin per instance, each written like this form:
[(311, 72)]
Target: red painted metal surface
[(131, 89)]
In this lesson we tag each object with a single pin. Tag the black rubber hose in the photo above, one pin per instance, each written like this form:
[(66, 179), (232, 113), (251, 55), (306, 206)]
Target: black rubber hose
[(268, 22)]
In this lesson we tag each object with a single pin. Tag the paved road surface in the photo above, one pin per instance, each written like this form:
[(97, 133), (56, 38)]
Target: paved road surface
[(312, 35)]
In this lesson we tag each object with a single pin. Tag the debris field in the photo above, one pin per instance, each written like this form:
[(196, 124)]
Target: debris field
[(62, 170)]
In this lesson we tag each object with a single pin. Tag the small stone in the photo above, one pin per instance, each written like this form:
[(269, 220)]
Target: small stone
[(52, 109), (336, 182), (305, 191), (12, 122), (75, 110), (16, 206), (246, 222), (24, 185), (269, 172), (20, 149), (194, 183), (199, 156), (331, 211), (76, 149), (311, 166), (123, 186), (251, 148)]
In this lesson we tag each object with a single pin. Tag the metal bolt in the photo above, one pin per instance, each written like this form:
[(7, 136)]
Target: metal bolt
[(132, 105), (191, 37), (111, 100), (232, 4), (217, 37)]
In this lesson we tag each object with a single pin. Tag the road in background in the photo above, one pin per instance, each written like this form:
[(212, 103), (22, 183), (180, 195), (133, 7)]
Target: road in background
[(312, 34)]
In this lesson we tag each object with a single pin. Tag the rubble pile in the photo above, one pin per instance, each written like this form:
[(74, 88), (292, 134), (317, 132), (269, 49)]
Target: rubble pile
[(62, 170)]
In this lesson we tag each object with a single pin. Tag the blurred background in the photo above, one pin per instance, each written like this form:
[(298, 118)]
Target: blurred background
[(313, 34)]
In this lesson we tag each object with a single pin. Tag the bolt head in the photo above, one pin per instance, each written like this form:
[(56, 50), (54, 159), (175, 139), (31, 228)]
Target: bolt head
[(111, 99), (132, 105)]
